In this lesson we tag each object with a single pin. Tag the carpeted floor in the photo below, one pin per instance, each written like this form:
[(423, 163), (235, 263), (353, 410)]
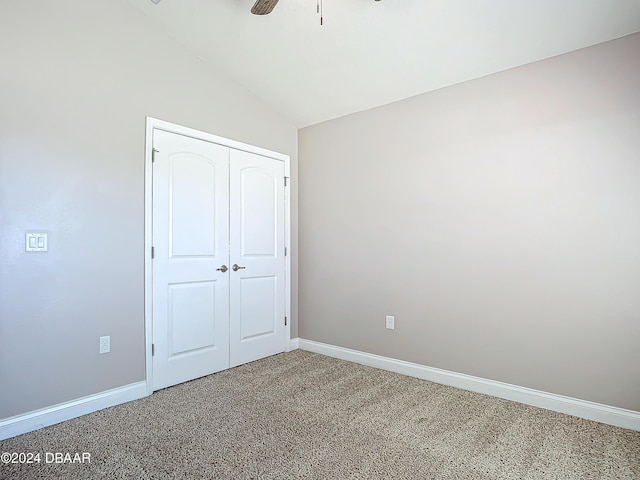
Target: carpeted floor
[(303, 415)]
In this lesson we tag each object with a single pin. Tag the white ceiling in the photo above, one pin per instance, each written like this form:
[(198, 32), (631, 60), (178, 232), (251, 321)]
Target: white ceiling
[(371, 53)]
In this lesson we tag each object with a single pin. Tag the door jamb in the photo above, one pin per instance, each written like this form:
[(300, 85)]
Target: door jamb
[(151, 125)]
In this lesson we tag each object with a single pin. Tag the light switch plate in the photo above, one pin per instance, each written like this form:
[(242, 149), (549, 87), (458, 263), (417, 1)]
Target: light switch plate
[(36, 242)]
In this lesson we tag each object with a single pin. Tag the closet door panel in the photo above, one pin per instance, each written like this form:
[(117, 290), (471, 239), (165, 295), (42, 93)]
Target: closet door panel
[(191, 242), (257, 251)]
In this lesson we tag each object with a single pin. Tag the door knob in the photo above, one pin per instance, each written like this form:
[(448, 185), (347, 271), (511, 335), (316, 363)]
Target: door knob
[(236, 267), (222, 269)]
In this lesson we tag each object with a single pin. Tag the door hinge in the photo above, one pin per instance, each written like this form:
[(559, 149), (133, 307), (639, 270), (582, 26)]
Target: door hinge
[(153, 252), (153, 154), (285, 181), (285, 321), (285, 251), (153, 349)]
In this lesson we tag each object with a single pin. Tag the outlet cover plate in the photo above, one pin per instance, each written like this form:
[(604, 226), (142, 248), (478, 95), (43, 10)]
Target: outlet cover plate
[(105, 344), (390, 322)]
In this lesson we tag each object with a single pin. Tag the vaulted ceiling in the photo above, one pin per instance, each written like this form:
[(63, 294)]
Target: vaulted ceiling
[(368, 53)]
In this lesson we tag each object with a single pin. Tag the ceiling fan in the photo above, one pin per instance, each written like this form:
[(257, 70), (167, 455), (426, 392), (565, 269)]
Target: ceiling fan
[(261, 7), (264, 7)]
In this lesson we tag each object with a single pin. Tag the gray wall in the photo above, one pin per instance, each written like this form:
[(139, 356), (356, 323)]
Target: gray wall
[(77, 79), (498, 220)]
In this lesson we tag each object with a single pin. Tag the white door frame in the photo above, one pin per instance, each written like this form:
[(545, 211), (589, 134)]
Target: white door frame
[(151, 125)]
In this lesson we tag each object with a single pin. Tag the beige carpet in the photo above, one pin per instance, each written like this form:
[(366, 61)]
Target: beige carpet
[(303, 415)]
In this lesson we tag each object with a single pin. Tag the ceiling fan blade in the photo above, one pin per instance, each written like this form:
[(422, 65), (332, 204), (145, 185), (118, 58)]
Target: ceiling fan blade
[(263, 7)]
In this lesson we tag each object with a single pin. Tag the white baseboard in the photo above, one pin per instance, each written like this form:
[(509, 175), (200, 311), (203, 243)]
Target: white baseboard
[(293, 344), (618, 417), (28, 422)]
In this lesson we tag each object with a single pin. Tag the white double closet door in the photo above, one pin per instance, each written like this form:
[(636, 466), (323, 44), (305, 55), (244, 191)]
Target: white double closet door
[(218, 267)]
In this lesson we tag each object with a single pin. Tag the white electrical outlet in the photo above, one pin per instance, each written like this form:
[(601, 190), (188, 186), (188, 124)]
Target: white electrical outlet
[(105, 344), (390, 322)]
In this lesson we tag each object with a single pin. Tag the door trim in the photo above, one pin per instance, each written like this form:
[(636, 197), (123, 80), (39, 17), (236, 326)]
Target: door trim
[(151, 125)]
